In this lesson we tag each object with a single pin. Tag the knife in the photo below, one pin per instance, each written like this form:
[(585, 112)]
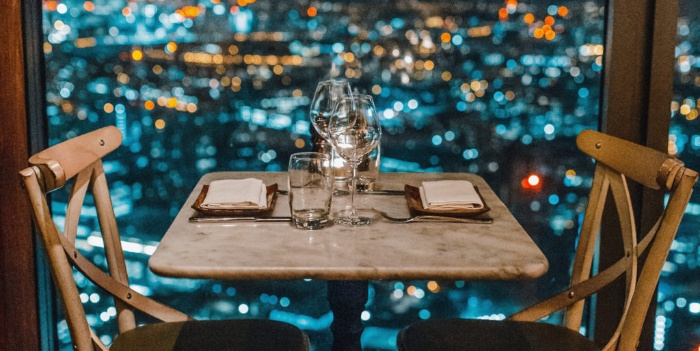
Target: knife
[(382, 192), (365, 192), (238, 219)]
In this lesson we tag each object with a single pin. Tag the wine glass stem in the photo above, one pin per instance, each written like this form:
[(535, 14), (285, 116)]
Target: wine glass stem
[(353, 184)]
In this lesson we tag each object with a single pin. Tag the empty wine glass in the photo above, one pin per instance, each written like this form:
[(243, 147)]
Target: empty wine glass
[(354, 131), (326, 97)]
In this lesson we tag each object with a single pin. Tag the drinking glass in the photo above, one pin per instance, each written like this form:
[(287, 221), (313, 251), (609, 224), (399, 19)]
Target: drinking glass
[(310, 185), (354, 131), (326, 97)]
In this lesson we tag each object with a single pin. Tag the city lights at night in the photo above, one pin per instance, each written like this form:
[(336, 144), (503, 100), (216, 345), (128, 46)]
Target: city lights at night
[(496, 88)]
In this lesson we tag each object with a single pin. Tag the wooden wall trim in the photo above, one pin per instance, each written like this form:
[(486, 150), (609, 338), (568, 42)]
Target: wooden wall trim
[(18, 308)]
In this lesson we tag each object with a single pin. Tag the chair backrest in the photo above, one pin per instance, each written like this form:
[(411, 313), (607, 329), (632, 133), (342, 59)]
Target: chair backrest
[(80, 160), (617, 161)]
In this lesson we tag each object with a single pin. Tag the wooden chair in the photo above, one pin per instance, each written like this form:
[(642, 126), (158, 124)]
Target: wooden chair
[(616, 162), (80, 160)]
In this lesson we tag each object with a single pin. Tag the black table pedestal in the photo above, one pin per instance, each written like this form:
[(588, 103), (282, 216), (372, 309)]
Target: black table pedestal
[(347, 299)]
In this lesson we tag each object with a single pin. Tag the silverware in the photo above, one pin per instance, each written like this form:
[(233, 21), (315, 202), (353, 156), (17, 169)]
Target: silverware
[(362, 192), (238, 219), (428, 218), (381, 192)]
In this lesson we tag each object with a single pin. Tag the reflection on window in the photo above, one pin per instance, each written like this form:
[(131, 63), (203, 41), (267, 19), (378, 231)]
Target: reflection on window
[(497, 88)]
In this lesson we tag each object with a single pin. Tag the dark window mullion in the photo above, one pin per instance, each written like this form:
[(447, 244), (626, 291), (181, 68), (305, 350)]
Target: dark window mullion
[(636, 95)]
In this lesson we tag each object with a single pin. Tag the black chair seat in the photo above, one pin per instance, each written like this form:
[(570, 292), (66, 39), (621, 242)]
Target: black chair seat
[(617, 160), (78, 161), (485, 335), (213, 335)]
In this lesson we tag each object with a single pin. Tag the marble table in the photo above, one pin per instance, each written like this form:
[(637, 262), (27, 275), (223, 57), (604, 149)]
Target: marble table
[(348, 257)]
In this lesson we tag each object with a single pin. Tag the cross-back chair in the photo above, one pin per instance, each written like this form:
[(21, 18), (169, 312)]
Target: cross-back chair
[(80, 160), (617, 161)]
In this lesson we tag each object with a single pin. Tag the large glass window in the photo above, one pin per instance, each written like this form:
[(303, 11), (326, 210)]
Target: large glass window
[(678, 311), (496, 88)]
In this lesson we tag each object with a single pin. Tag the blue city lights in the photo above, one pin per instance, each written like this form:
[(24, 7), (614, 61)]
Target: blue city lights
[(234, 93)]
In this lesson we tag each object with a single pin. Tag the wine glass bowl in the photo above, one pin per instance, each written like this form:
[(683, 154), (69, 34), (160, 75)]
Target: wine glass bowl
[(355, 142), (326, 97), (354, 131)]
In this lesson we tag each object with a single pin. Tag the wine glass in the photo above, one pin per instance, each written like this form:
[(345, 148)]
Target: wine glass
[(354, 131), (326, 97)]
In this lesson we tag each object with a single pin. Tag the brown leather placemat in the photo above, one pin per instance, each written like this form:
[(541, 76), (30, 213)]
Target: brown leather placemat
[(415, 206), (237, 212)]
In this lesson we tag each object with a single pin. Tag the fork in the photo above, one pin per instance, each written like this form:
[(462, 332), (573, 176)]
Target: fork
[(428, 218)]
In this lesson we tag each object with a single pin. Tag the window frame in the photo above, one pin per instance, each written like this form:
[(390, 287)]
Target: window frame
[(637, 87), (18, 312)]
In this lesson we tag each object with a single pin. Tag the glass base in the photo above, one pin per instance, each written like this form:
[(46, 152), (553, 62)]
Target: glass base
[(311, 219), (353, 221), (309, 224)]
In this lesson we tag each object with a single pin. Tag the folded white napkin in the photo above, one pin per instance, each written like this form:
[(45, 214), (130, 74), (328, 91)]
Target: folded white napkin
[(249, 193), (450, 195)]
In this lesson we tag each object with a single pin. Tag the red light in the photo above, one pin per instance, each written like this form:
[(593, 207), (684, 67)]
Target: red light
[(531, 182)]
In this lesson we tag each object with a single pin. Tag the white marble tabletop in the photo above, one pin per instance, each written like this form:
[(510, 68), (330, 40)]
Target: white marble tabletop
[(383, 250)]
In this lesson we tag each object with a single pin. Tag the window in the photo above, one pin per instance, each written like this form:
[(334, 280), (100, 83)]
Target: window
[(497, 88), (678, 309)]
